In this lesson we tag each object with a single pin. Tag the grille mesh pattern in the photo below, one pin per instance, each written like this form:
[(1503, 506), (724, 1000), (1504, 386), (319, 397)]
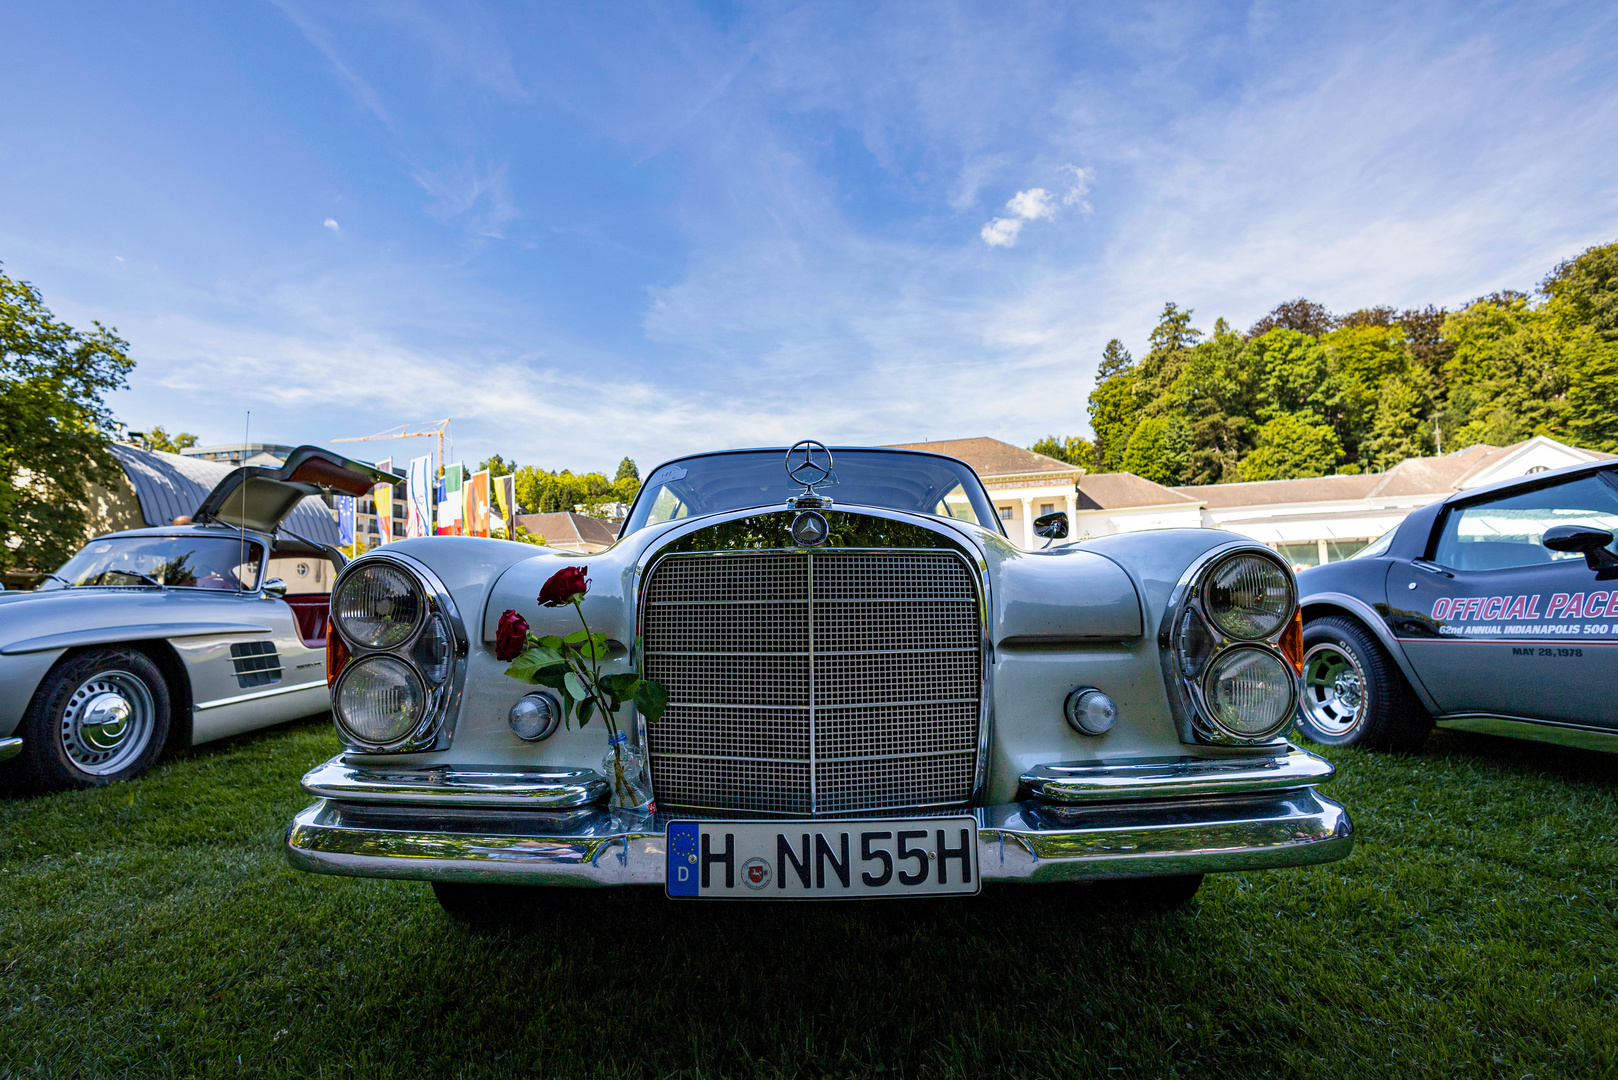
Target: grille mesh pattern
[(877, 711)]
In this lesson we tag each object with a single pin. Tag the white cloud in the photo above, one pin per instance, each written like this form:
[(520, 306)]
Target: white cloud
[(1032, 204), (1001, 232), (331, 223), (1078, 188)]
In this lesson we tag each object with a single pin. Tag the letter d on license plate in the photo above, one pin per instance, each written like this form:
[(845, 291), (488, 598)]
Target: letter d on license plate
[(822, 860)]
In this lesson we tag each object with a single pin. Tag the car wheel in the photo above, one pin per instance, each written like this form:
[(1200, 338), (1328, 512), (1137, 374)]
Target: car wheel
[(98, 717), (1351, 694)]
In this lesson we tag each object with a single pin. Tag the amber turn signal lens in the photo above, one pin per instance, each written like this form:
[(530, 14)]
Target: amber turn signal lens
[(336, 654), (1292, 641)]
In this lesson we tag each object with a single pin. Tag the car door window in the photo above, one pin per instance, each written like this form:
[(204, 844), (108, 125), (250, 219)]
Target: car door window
[(1508, 531)]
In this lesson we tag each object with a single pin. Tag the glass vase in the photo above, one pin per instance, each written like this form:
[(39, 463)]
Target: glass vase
[(624, 766)]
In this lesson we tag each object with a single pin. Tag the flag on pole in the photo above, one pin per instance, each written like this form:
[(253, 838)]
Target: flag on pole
[(479, 502), (345, 520), (450, 507), (418, 510), (505, 502), (382, 497)]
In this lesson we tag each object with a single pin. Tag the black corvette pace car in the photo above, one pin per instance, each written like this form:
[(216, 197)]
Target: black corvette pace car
[(1494, 610)]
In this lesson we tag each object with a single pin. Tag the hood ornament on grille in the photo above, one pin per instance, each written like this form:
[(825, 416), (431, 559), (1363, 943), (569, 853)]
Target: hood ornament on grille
[(809, 463)]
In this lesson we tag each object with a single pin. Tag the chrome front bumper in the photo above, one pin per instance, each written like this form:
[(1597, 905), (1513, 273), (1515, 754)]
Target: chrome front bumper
[(10, 748), (363, 828)]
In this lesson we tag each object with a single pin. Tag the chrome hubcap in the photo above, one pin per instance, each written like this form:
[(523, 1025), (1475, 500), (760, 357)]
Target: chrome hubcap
[(108, 722), (1333, 699)]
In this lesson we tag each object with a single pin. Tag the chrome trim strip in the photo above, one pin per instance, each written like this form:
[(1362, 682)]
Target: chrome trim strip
[(451, 787), (1521, 727), (1019, 842), (1174, 777), (10, 748), (257, 694), (141, 632)]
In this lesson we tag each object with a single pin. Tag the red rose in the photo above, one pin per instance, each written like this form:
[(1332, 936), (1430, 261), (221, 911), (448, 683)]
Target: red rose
[(566, 585), (511, 636)]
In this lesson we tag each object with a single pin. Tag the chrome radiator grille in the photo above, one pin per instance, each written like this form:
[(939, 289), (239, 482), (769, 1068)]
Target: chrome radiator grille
[(814, 682)]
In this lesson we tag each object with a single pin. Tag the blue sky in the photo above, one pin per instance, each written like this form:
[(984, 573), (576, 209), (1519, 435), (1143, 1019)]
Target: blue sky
[(590, 230)]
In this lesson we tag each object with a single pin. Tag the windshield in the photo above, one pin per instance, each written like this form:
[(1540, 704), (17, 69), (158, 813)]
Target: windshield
[(183, 562), (1378, 547), (895, 480)]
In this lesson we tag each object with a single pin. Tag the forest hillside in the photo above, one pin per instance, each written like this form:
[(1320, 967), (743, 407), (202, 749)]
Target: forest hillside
[(1307, 393)]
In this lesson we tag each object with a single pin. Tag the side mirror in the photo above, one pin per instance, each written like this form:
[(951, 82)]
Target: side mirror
[(1051, 526), (1584, 539), (275, 588)]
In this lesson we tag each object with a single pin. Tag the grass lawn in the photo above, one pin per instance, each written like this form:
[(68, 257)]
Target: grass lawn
[(153, 929)]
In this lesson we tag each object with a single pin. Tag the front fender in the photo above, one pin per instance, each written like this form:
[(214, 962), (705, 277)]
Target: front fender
[(1326, 603)]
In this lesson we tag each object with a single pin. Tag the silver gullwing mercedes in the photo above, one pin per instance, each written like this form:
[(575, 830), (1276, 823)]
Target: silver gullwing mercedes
[(161, 638), (871, 692)]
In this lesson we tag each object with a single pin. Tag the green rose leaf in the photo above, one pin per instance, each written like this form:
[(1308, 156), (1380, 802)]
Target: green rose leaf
[(551, 641), (524, 666), (586, 710), (577, 637), (651, 698), (575, 686)]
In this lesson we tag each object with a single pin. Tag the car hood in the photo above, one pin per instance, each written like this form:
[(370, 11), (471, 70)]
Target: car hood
[(258, 497)]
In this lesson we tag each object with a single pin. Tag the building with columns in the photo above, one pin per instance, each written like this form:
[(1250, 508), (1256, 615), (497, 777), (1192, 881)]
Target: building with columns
[(1024, 485)]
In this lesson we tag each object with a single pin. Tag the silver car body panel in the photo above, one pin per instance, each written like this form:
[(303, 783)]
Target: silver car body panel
[(197, 626)]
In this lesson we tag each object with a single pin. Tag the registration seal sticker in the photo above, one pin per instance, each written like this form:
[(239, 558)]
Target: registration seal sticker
[(755, 874)]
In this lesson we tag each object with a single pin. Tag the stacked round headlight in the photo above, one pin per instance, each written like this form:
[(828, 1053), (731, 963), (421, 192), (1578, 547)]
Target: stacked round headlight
[(1250, 691), (378, 606), (1248, 596), (380, 700)]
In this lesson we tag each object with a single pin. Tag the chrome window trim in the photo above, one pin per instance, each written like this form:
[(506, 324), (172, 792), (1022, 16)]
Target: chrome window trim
[(971, 553), (1194, 720), (436, 729)]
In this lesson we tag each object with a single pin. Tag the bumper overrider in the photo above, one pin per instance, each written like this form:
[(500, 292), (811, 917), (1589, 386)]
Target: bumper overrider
[(1073, 821)]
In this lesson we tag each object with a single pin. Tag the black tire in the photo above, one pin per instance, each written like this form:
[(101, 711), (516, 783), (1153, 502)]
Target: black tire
[(1352, 693), (97, 718), (490, 907)]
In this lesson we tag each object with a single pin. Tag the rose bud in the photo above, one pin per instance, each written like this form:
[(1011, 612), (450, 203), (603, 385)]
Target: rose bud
[(511, 636), (565, 586)]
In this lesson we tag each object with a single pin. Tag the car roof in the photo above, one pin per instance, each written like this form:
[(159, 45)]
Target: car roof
[(1532, 480)]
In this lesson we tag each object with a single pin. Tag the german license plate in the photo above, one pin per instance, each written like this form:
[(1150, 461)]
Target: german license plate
[(822, 860)]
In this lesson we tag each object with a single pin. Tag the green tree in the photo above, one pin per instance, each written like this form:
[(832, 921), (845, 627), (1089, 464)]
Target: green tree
[(54, 426), (1294, 376), (1115, 360), (626, 485), (1398, 430), (1507, 379), (1113, 415), (159, 439), (1158, 450), (497, 466), (1215, 397), (1290, 447), (1361, 357), (1172, 340), (1073, 450), (1582, 301)]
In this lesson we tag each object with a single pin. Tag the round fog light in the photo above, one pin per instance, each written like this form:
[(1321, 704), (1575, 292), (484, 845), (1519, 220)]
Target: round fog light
[(1251, 692), (1090, 712), (534, 717)]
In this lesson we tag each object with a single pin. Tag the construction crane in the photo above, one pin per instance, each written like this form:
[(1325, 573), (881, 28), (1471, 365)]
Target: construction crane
[(432, 427)]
